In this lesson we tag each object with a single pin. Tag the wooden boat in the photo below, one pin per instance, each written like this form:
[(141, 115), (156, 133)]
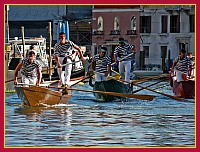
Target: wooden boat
[(110, 86), (44, 95), (183, 89)]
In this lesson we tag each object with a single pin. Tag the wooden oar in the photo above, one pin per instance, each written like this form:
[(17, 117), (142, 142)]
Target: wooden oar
[(162, 86), (167, 95), (25, 84), (124, 95), (150, 78), (70, 63), (148, 86), (123, 58), (82, 79)]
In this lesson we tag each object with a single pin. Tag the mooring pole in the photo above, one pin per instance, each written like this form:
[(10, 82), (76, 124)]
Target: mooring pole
[(50, 58)]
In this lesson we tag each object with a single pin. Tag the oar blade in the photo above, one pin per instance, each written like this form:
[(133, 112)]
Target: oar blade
[(123, 95)]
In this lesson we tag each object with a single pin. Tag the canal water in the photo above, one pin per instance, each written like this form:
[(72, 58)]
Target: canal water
[(163, 122)]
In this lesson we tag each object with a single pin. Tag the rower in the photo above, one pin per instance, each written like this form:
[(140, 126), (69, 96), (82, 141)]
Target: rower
[(101, 64), (182, 66)]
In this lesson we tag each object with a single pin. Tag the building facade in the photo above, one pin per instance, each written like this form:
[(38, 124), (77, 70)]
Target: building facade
[(112, 22), (159, 32), (164, 31)]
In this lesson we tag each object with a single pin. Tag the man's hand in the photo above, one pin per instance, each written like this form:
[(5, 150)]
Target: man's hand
[(37, 83), (106, 74), (15, 82), (59, 65), (82, 59)]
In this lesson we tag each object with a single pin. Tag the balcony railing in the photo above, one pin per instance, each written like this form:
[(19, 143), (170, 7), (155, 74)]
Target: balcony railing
[(131, 32), (114, 32), (98, 33)]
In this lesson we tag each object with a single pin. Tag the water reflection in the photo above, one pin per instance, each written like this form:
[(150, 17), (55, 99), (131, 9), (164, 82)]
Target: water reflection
[(84, 122), (44, 123)]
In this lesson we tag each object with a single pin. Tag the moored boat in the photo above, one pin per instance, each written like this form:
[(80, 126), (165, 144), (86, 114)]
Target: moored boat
[(110, 86)]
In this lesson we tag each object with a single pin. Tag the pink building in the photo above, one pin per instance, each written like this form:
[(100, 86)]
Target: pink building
[(113, 21)]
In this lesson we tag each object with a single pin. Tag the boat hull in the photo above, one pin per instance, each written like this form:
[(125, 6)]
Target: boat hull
[(40, 96), (110, 86), (184, 89)]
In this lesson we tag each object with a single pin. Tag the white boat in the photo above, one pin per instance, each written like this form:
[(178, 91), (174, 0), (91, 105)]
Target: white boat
[(16, 52)]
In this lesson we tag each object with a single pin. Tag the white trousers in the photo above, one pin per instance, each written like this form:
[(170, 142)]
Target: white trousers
[(125, 69), (27, 80), (100, 77), (66, 74)]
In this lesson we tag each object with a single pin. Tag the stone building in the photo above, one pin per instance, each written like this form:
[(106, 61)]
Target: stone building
[(159, 32)]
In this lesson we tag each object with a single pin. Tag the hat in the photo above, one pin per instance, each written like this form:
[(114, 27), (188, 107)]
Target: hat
[(121, 40), (103, 49), (31, 53)]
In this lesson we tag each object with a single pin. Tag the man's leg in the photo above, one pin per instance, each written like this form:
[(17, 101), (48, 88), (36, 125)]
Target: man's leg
[(33, 81), (68, 70), (121, 69), (61, 73), (25, 80), (127, 70)]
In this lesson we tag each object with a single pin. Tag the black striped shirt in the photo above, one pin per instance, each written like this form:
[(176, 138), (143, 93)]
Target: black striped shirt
[(29, 69), (63, 50), (123, 51), (102, 63), (183, 64)]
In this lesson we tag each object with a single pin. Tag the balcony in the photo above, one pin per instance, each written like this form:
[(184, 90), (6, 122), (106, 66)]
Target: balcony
[(98, 33), (131, 32), (114, 32)]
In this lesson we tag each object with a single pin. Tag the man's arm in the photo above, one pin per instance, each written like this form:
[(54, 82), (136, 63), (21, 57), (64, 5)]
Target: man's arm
[(19, 66), (115, 58), (92, 66), (108, 70), (39, 74), (57, 61), (80, 53)]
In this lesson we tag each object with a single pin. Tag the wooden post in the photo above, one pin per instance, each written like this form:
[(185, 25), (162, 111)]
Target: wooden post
[(50, 44), (23, 42), (169, 59)]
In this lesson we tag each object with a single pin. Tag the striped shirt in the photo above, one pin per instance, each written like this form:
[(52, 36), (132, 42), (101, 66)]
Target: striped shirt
[(29, 69), (183, 64), (192, 60), (123, 51), (63, 50), (102, 63)]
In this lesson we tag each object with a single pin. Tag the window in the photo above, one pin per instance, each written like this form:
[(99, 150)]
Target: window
[(164, 24), (145, 24), (146, 51), (192, 22), (133, 23), (184, 45), (174, 24), (163, 51), (100, 24), (116, 23)]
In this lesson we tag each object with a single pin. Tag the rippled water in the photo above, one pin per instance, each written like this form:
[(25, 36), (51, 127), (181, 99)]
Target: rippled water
[(85, 122)]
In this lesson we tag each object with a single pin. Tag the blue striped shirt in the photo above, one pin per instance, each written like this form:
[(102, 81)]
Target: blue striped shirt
[(29, 69), (183, 64), (123, 51), (64, 50), (102, 63)]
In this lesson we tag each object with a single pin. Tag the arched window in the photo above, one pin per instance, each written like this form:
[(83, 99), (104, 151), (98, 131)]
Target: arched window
[(100, 24), (133, 23), (116, 23)]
